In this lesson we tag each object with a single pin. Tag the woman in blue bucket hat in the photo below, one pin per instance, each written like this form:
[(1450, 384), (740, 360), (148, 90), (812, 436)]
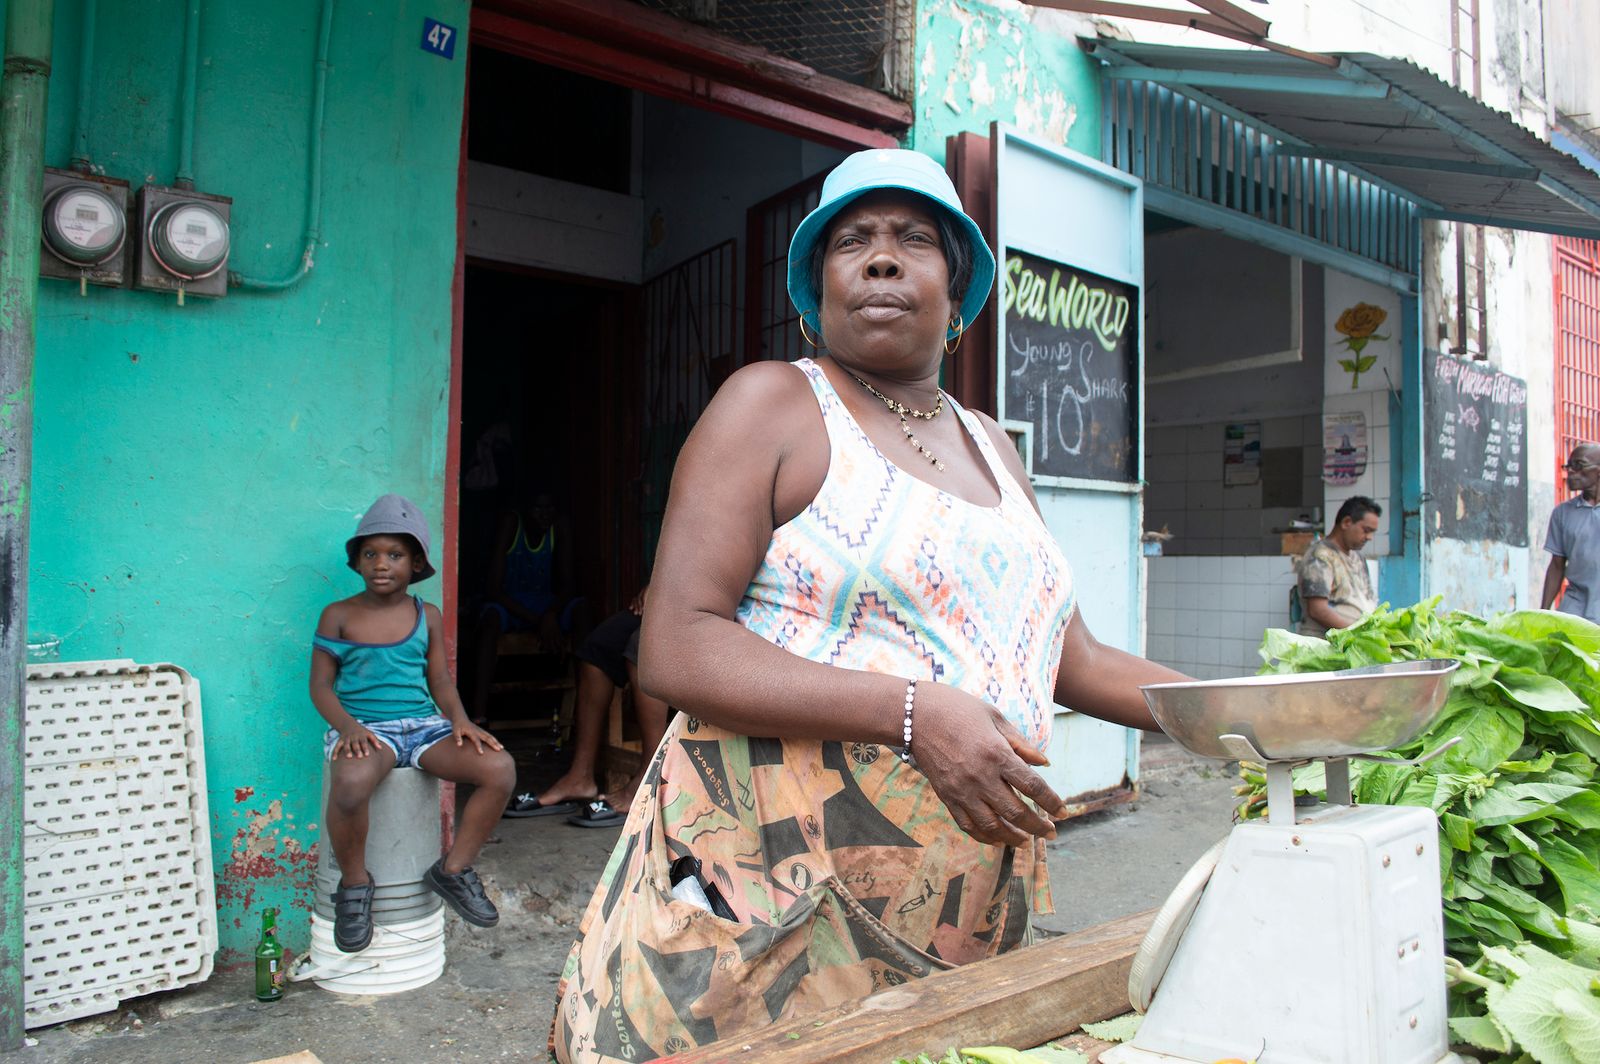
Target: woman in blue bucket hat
[(867, 626)]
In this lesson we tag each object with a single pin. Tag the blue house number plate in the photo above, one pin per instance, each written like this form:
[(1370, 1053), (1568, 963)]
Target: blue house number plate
[(438, 38)]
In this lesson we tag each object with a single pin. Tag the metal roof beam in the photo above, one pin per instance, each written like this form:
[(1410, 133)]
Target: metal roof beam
[(1254, 25), (1557, 229), (1570, 195), (1220, 15), (1411, 162), (1189, 19), (1230, 79), (1432, 115)]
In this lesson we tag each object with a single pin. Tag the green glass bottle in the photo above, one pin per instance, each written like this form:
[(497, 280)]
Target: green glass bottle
[(269, 959)]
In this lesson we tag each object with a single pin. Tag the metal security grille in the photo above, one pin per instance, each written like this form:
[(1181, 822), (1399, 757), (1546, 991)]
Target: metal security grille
[(690, 348), (865, 42), (771, 327), (1221, 158), (1577, 369)]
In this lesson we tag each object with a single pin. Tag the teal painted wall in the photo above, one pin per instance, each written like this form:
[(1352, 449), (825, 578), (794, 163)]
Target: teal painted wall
[(979, 62), (197, 468)]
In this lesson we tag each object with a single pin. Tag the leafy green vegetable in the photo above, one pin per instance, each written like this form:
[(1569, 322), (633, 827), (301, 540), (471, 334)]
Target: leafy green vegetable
[(1518, 801), (1118, 1029), (1050, 1053)]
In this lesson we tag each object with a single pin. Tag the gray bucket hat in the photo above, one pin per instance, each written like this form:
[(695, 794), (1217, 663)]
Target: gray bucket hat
[(392, 515)]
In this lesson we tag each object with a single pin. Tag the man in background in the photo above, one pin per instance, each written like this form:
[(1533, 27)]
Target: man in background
[(1335, 588), (1573, 539)]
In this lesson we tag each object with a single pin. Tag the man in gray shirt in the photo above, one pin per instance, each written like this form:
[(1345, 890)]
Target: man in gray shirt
[(1574, 538)]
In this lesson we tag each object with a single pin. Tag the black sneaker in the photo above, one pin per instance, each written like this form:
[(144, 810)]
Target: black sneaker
[(464, 892), (352, 917)]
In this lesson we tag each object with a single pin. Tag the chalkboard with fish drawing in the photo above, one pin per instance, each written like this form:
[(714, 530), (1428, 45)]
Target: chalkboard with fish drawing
[(1069, 364)]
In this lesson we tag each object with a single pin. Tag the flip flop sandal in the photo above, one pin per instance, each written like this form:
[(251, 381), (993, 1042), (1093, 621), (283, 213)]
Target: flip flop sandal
[(528, 805), (598, 814)]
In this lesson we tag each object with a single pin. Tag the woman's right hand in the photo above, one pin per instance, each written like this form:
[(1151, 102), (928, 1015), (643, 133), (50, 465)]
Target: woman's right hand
[(978, 763), (355, 741)]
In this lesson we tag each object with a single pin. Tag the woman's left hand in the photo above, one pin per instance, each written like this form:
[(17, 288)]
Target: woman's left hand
[(464, 731)]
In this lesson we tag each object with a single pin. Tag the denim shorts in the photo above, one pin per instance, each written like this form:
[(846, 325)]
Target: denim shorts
[(408, 737)]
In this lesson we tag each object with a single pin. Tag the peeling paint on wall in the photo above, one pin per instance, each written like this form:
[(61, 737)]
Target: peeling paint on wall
[(264, 854), (1003, 61), (1480, 576)]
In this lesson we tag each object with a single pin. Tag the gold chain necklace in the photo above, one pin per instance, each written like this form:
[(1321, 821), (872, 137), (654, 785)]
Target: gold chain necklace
[(905, 426)]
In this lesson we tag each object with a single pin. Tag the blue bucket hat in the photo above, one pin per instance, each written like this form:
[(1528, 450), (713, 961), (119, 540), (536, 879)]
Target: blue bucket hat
[(392, 515), (867, 171)]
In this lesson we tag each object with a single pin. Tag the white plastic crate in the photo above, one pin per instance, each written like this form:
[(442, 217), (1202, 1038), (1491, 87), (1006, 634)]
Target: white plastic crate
[(116, 838)]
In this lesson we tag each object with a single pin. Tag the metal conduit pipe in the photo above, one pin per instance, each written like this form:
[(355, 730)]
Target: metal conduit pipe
[(191, 67), (80, 106), (24, 89), (314, 191)]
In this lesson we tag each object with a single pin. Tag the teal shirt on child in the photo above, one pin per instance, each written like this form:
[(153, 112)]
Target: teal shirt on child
[(383, 681)]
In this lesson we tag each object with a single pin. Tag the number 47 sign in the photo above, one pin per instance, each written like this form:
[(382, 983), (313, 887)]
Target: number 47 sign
[(438, 38)]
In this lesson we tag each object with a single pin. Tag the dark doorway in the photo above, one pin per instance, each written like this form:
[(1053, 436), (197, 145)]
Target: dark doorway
[(544, 411)]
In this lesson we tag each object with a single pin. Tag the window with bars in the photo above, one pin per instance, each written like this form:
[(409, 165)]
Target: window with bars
[(1577, 355)]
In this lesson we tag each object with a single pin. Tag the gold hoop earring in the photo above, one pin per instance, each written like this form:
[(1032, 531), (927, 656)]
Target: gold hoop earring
[(960, 326), (807, 335)]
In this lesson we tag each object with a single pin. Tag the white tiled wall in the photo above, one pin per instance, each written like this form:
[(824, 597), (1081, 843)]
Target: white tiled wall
[(1207, 614), (1186, 494)]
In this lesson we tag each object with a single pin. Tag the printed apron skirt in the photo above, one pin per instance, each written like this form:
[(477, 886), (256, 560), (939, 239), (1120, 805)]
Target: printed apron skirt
[(842, 867)]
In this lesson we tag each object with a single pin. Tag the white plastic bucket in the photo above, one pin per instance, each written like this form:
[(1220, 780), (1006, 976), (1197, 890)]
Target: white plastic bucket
[(400, 957), (403, 839)]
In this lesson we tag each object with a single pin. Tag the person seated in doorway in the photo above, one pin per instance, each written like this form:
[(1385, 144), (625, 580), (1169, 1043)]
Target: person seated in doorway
[(529, 589), (379, 678), (1335, 588), (607, 661)]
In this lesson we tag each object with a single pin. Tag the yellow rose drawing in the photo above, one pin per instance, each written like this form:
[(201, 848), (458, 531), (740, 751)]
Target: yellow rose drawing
[(1359, 324)]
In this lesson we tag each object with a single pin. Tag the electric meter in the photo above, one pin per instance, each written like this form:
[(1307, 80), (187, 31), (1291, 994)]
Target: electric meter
[(84, 228), (189, 240), (83, 225), (185, 242)]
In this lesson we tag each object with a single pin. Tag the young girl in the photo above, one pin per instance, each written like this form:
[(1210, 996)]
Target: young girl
[(378, 678)]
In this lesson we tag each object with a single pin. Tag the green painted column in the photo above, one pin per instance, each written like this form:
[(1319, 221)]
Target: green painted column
[(22, 107)]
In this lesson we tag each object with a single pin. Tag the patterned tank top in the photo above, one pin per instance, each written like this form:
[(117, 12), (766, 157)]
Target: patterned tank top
[(886, 573), (842, 867)]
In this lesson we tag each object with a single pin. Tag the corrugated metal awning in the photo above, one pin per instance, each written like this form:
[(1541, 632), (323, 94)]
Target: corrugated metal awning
[(1460, 159)]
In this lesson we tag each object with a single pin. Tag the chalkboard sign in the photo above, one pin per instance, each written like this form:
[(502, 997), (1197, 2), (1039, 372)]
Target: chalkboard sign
[(1069, 367), (1476, 464)]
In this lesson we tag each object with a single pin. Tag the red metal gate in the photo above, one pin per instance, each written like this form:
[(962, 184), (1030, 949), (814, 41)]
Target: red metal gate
[(690, 348), (771, 327), (1577, 336)]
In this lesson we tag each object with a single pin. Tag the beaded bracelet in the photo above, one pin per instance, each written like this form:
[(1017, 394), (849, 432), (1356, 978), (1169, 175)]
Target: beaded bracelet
[(911, 697)]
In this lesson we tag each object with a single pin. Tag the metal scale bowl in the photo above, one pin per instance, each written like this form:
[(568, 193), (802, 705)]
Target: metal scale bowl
[(1314, 936)]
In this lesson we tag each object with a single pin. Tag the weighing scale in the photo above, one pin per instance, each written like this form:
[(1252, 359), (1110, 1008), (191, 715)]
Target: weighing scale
[(1314, 936)]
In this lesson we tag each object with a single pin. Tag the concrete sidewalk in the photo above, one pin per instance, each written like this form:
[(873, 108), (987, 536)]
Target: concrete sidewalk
[(495, 998)]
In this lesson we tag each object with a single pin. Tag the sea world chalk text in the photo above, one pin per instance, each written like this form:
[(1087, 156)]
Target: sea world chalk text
[(1074, 305)]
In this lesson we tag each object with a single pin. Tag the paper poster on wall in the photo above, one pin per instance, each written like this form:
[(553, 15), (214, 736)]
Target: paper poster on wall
[(1344, 447), (1241, 454)]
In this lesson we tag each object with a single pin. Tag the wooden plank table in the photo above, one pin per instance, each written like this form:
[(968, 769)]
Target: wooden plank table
[(1022, 999)]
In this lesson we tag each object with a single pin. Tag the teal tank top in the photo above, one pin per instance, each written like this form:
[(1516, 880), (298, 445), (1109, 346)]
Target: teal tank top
[(383, 681)]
